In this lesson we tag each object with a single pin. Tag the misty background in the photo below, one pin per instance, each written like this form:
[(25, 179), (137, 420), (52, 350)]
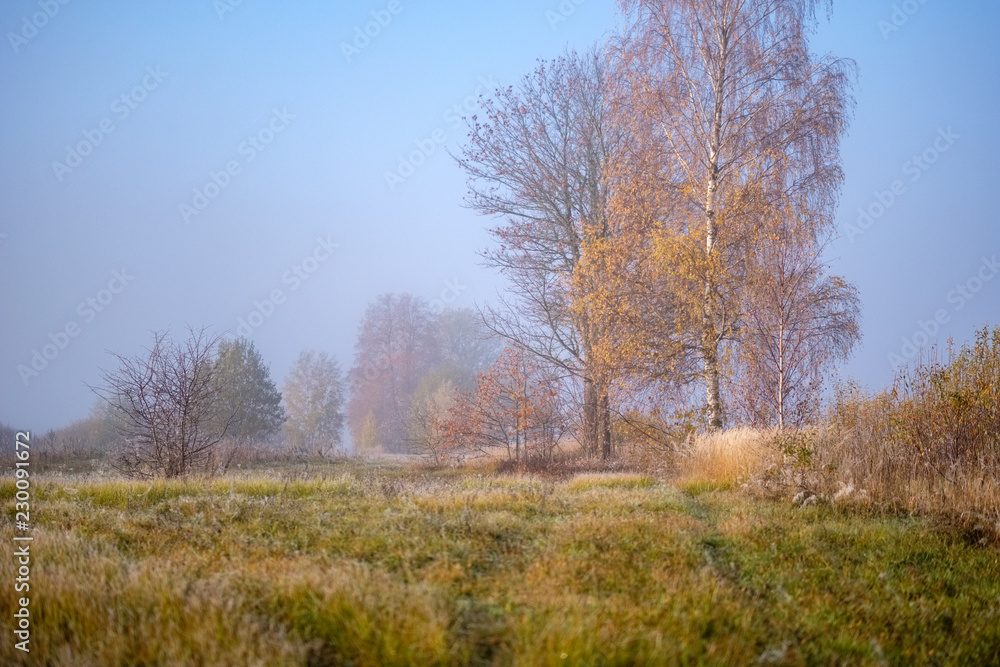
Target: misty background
[(234, 144)]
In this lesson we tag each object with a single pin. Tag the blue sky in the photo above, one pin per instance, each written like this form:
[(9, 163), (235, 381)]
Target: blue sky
[(231, 146)]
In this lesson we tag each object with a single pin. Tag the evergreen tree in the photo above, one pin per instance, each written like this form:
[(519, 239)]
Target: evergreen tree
[(247, 392)]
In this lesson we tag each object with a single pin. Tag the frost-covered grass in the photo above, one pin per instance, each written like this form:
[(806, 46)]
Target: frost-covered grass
[(353, 564)]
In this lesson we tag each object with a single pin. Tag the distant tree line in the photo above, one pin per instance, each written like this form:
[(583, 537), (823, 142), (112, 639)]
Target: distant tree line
[(408, 358), (661, 209), (193, 406), (197, 404)]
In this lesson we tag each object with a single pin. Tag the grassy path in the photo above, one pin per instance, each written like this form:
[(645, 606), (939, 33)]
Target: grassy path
[(389, 566)]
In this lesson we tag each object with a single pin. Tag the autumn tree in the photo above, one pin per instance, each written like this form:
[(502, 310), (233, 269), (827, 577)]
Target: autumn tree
[(536, 159), (395, 349), (404, 349), (797, 322), (246, 392), (515, 407), (166, 408), (738, 124), (314, 396)]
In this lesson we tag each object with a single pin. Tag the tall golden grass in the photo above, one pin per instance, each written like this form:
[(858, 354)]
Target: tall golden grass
[(929, 445), (727, 459)]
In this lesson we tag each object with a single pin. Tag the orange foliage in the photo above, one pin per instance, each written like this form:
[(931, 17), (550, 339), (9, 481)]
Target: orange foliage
[(515, 407)]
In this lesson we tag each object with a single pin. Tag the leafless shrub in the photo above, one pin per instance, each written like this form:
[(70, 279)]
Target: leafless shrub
[(165, 408)]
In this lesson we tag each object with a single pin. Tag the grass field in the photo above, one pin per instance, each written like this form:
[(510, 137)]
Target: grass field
[(351, 564)]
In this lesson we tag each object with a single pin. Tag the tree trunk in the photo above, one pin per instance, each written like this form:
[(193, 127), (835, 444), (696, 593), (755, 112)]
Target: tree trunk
[(591, 417), (710, 355), (710, 334), (605, 424), (781, 377)]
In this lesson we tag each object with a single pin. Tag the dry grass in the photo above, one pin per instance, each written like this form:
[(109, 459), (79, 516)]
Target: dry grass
[(930, 446), (848, 468), (611, 480), (377, 564), (866, 465), (725, 459)]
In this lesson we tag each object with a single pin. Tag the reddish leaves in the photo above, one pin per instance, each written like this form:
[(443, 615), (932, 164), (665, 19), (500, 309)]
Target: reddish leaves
[(515, 408)]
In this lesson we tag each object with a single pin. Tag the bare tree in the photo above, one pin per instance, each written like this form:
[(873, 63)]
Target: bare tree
[(747, 126), (537, 160), (165, 407)]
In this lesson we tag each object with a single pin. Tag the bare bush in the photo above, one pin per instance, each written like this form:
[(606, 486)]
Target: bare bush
[(166, 409)]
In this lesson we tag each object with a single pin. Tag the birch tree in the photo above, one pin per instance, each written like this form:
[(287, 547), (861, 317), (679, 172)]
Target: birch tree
[(797, 323), (314, 396), (744, 125)]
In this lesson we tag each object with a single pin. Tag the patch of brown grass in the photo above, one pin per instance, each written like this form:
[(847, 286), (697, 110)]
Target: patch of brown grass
[(726, 459), (930, 445)]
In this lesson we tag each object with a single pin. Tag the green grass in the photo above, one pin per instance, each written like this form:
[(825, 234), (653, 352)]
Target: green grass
[(389, 566)]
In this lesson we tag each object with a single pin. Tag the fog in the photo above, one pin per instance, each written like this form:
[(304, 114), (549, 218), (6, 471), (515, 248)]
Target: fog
[(268, 170)]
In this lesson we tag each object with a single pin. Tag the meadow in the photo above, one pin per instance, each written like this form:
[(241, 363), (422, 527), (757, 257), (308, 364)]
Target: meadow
[(394, 563)]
